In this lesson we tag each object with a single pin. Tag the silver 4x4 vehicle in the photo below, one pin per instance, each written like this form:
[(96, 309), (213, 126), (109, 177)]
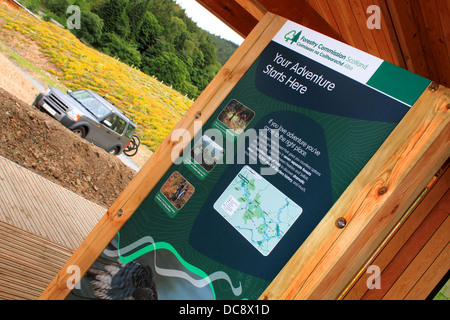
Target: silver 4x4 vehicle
[(90, 116)]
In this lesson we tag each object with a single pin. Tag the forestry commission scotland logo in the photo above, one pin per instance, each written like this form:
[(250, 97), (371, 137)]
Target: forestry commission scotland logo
[(292, 36)]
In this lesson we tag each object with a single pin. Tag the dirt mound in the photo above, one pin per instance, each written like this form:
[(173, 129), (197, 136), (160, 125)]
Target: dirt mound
[(38, 142)]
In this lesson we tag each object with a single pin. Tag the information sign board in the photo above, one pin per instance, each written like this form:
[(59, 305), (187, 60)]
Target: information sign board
[(259, 175)]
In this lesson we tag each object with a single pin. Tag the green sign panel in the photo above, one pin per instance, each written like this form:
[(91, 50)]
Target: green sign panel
[(261, 174)]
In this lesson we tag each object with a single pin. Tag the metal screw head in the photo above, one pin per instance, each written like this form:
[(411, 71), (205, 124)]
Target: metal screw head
[(341, 223), (198, 115), (120, 212), (433, 86)]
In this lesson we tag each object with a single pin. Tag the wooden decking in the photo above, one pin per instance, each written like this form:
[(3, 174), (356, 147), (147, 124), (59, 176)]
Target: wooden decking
[(41, 225)]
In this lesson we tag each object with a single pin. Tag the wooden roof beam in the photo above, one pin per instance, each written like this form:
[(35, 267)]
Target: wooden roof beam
[(303, 13), (410, 37), (243, 15), (232, 14)]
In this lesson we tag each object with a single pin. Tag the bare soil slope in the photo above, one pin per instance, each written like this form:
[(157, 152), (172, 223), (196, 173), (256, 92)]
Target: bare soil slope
[(36, 141)]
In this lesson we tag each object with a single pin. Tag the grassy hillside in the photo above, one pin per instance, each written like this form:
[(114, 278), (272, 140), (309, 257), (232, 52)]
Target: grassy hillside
[(155, 107), (155, 36)]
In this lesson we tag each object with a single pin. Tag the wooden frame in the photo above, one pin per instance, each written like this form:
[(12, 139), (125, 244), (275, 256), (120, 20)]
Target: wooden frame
[(372, 205)]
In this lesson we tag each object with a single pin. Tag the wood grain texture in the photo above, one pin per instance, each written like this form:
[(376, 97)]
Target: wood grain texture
[(28, 263), (372, 205), (409, 237), (414, 34)]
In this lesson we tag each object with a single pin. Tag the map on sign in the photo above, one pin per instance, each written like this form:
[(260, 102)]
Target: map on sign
[(257, 210)]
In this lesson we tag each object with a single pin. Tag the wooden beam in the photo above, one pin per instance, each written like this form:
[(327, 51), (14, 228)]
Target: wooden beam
[(410, 37), (232, 14), (303, 13), (243, 15), (405, 233), (253, 7), (372, 205)]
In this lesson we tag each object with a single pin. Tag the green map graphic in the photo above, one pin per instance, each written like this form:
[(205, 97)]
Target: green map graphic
[(257, 210)]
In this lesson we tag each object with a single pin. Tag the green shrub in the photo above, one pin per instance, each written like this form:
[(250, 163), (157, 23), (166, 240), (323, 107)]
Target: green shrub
[(114, 45), (91, 27), (58, 7)]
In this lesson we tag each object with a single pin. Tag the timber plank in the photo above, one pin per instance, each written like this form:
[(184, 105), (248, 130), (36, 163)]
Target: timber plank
[(407, 30), (341, 21), (302, 13), (28, 263), (367, 35), (386, 44), (420, 264), (438, 57), (254, 8), (444, 14), (232, 14), (322, 8), (431, 277), (410, 249), (401, 235)]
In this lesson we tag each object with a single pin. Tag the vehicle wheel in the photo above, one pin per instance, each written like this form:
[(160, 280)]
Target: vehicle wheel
[(130, 152), (132, 147), (80, 131), (137, 140), (114, 151)]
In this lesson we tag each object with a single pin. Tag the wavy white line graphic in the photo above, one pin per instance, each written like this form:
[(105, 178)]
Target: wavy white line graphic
[(199, 283)]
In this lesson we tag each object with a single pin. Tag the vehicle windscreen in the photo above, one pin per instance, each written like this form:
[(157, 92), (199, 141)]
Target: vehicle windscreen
[(91, 103), (130, 131)]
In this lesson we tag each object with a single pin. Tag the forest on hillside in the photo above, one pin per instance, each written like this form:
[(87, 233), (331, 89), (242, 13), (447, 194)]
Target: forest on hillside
[(155, 36)]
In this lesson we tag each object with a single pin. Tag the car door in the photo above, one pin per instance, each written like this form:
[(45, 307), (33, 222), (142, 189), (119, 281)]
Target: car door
[(107, 135)]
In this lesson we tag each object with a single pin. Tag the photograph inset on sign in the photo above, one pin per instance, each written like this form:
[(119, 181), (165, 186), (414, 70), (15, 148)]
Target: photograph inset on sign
[(207, 153), (236, 116), (177, 190), (261, 213)]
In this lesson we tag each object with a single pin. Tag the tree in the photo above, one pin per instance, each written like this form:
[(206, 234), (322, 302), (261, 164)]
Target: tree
[(292, 36), (149, 31), (115, 17), (58, 7), (209, 51), (113, 45), (136, 12), (92, 27), (176, 33), (168, 67)]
